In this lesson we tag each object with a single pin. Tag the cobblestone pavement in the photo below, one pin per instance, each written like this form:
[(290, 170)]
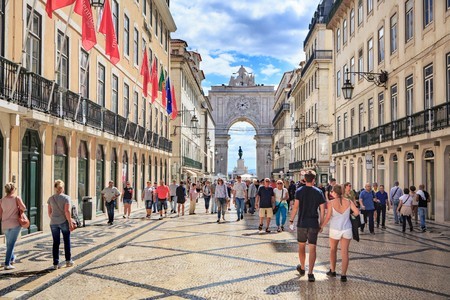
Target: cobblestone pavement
[(193, 257)]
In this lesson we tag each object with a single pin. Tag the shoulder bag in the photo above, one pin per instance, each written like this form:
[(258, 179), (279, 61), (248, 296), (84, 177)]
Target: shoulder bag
[(275, 209), (356, 224), (23, 219)]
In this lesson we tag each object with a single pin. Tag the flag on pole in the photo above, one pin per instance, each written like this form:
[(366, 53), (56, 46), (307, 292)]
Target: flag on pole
[(174, 104), (169, 96), (145, 72), (107, 28), (162, 88), (53, 5), (154, 81), (88, 35)]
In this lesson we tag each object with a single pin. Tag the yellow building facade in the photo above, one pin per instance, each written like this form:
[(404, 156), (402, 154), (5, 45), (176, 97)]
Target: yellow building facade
[(85, 132), (399, 130)]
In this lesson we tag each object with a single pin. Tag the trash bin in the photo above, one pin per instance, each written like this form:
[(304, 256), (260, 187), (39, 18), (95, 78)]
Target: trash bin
[(87, 208)]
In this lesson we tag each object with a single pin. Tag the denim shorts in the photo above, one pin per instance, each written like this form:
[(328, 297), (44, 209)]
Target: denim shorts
[(148, 204), (162, 203), (127, 201)]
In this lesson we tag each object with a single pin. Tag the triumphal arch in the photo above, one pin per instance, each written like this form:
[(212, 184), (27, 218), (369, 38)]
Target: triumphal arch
[(243, 100)]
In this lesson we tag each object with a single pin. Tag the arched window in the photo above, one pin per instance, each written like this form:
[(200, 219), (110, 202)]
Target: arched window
[(409, 169), (83, 173), (99, 177), (135, 172), (124, 168), (114, 166), (142, 172)]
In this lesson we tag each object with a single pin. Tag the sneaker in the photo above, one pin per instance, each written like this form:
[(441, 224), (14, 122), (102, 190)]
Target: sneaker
[(69, 263), (9, 267), (109, 223), (279, 229), (238, 219), (300, 270), (311, 278), (424, 229), (56, 267), (212, 213), (383, 227), (218, 220), (124, 217), (343, 278), (242, 217), (154, 211), (13, 261), (160, 218), (331, 274), (411, 229), (260, 227), (282, 228)]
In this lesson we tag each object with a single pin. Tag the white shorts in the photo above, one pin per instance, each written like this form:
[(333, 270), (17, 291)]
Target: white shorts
[(338, 234)]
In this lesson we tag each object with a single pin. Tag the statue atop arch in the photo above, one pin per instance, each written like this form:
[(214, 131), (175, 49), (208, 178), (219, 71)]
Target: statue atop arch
[(240, 152), (243, 78)]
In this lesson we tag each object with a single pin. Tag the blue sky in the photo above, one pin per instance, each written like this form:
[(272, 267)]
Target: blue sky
[(265, 36)]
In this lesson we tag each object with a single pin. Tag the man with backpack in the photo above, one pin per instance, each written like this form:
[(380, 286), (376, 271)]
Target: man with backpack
[(394, 196), (423, 197)]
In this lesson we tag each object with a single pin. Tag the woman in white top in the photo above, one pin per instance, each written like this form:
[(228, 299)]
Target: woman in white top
[(405, 206), (281, 197), (340, 229)]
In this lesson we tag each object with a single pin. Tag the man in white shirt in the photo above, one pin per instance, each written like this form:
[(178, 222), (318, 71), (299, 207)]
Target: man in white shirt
[(173, 196), (109, 195), (240, 197), (147, 197)]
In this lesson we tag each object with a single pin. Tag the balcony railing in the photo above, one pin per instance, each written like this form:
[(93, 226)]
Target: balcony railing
[(427, 120), (33, 91), (317, 54), (283, 107), (189, 162), (298, 165)]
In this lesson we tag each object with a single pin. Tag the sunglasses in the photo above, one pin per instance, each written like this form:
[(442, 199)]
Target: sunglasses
[(279, 183)]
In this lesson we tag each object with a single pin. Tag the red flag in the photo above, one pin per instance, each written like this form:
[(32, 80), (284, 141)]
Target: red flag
[(164, 98), (154, 81), (88, 37), (145, 72), (53, 5), (174, 105), (107, 28)]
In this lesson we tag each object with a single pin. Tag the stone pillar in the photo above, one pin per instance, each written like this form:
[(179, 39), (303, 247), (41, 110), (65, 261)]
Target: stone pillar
[(263, 145), (222, 152)]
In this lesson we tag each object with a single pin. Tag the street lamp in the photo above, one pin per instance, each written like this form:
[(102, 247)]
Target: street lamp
[(97, 3), (296, 130), (277, 149), (379, 79)]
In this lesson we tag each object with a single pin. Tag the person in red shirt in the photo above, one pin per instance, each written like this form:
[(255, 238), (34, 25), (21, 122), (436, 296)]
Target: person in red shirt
[(162, 192)]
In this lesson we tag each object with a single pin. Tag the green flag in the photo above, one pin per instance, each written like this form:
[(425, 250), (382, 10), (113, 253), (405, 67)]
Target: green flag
[(161, 80)]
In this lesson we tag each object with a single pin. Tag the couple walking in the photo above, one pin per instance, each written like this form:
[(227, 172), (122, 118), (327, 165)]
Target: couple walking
[(309, 200)]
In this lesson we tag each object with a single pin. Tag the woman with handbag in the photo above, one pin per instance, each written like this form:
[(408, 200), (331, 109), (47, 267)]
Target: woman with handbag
[(405, 206), (60, 222), (11, 207), (281, 205), (340, 229)]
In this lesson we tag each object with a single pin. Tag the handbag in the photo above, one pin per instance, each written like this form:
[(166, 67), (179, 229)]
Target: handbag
[(23, 219), (275, 209), (74, 217), (356, 223)]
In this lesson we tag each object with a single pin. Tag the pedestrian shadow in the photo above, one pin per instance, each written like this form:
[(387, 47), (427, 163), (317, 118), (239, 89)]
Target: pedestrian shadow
[(25, 274), (291, 285), (305, 289)]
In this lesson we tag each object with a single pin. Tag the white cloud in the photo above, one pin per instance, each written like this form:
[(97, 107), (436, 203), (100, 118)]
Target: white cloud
[(270, 70)]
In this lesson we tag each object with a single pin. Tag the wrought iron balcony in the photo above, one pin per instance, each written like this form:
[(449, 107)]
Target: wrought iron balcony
[(317, 54), (428, 120), (33, 91), (189, 162), (283, 107)]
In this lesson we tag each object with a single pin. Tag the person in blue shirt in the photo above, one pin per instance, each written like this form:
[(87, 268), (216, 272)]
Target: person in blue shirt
[(367, 204), (382, 200)]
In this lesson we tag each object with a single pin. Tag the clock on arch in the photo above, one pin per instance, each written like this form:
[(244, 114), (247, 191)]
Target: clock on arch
[(242, 104)]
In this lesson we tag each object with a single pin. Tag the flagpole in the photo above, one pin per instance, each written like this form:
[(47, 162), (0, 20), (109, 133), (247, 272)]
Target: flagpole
[(24, 47), (83, 79), (58, 64)]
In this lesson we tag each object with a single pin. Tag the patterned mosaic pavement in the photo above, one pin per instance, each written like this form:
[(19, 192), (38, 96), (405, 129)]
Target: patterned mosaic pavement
[(193, 257)]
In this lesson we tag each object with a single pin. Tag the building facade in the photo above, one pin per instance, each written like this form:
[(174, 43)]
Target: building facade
[(193, 132), (395, 129), (94, 124), (312, 102)]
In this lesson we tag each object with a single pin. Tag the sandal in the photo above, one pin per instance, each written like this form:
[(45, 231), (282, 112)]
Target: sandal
[(267, 230), (260, 227)]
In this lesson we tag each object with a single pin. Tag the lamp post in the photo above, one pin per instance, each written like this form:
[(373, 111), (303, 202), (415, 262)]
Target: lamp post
[(379, 79), (97, 3)]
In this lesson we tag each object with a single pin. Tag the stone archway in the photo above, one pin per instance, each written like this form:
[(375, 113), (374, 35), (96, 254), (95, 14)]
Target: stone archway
[(243, 100)]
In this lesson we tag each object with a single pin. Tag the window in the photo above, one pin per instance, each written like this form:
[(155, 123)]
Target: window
[(381, 109), (345, 124), (338, 39), (115, 94), (352, 121), (160, 29), (84, 74), (370, 55), (150, 15), (338, 129), (143, 111), (2, 27), (156, 23), (352, 21), (136, 46), (144, 7), (62, 77), (380, 45), (428, 86), (409, 20), (371, 114), (360, 12), (427, 12), (126, 100), (126, 35), (393, 33), (352, 69), (101, 85), (448, 77), (369, 6), (409, 83), (344, 32), (166, 44), (33, 49), (361, 118), (115, 15), (338, 83), (135, 107), (360, 63), (394, 104)]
